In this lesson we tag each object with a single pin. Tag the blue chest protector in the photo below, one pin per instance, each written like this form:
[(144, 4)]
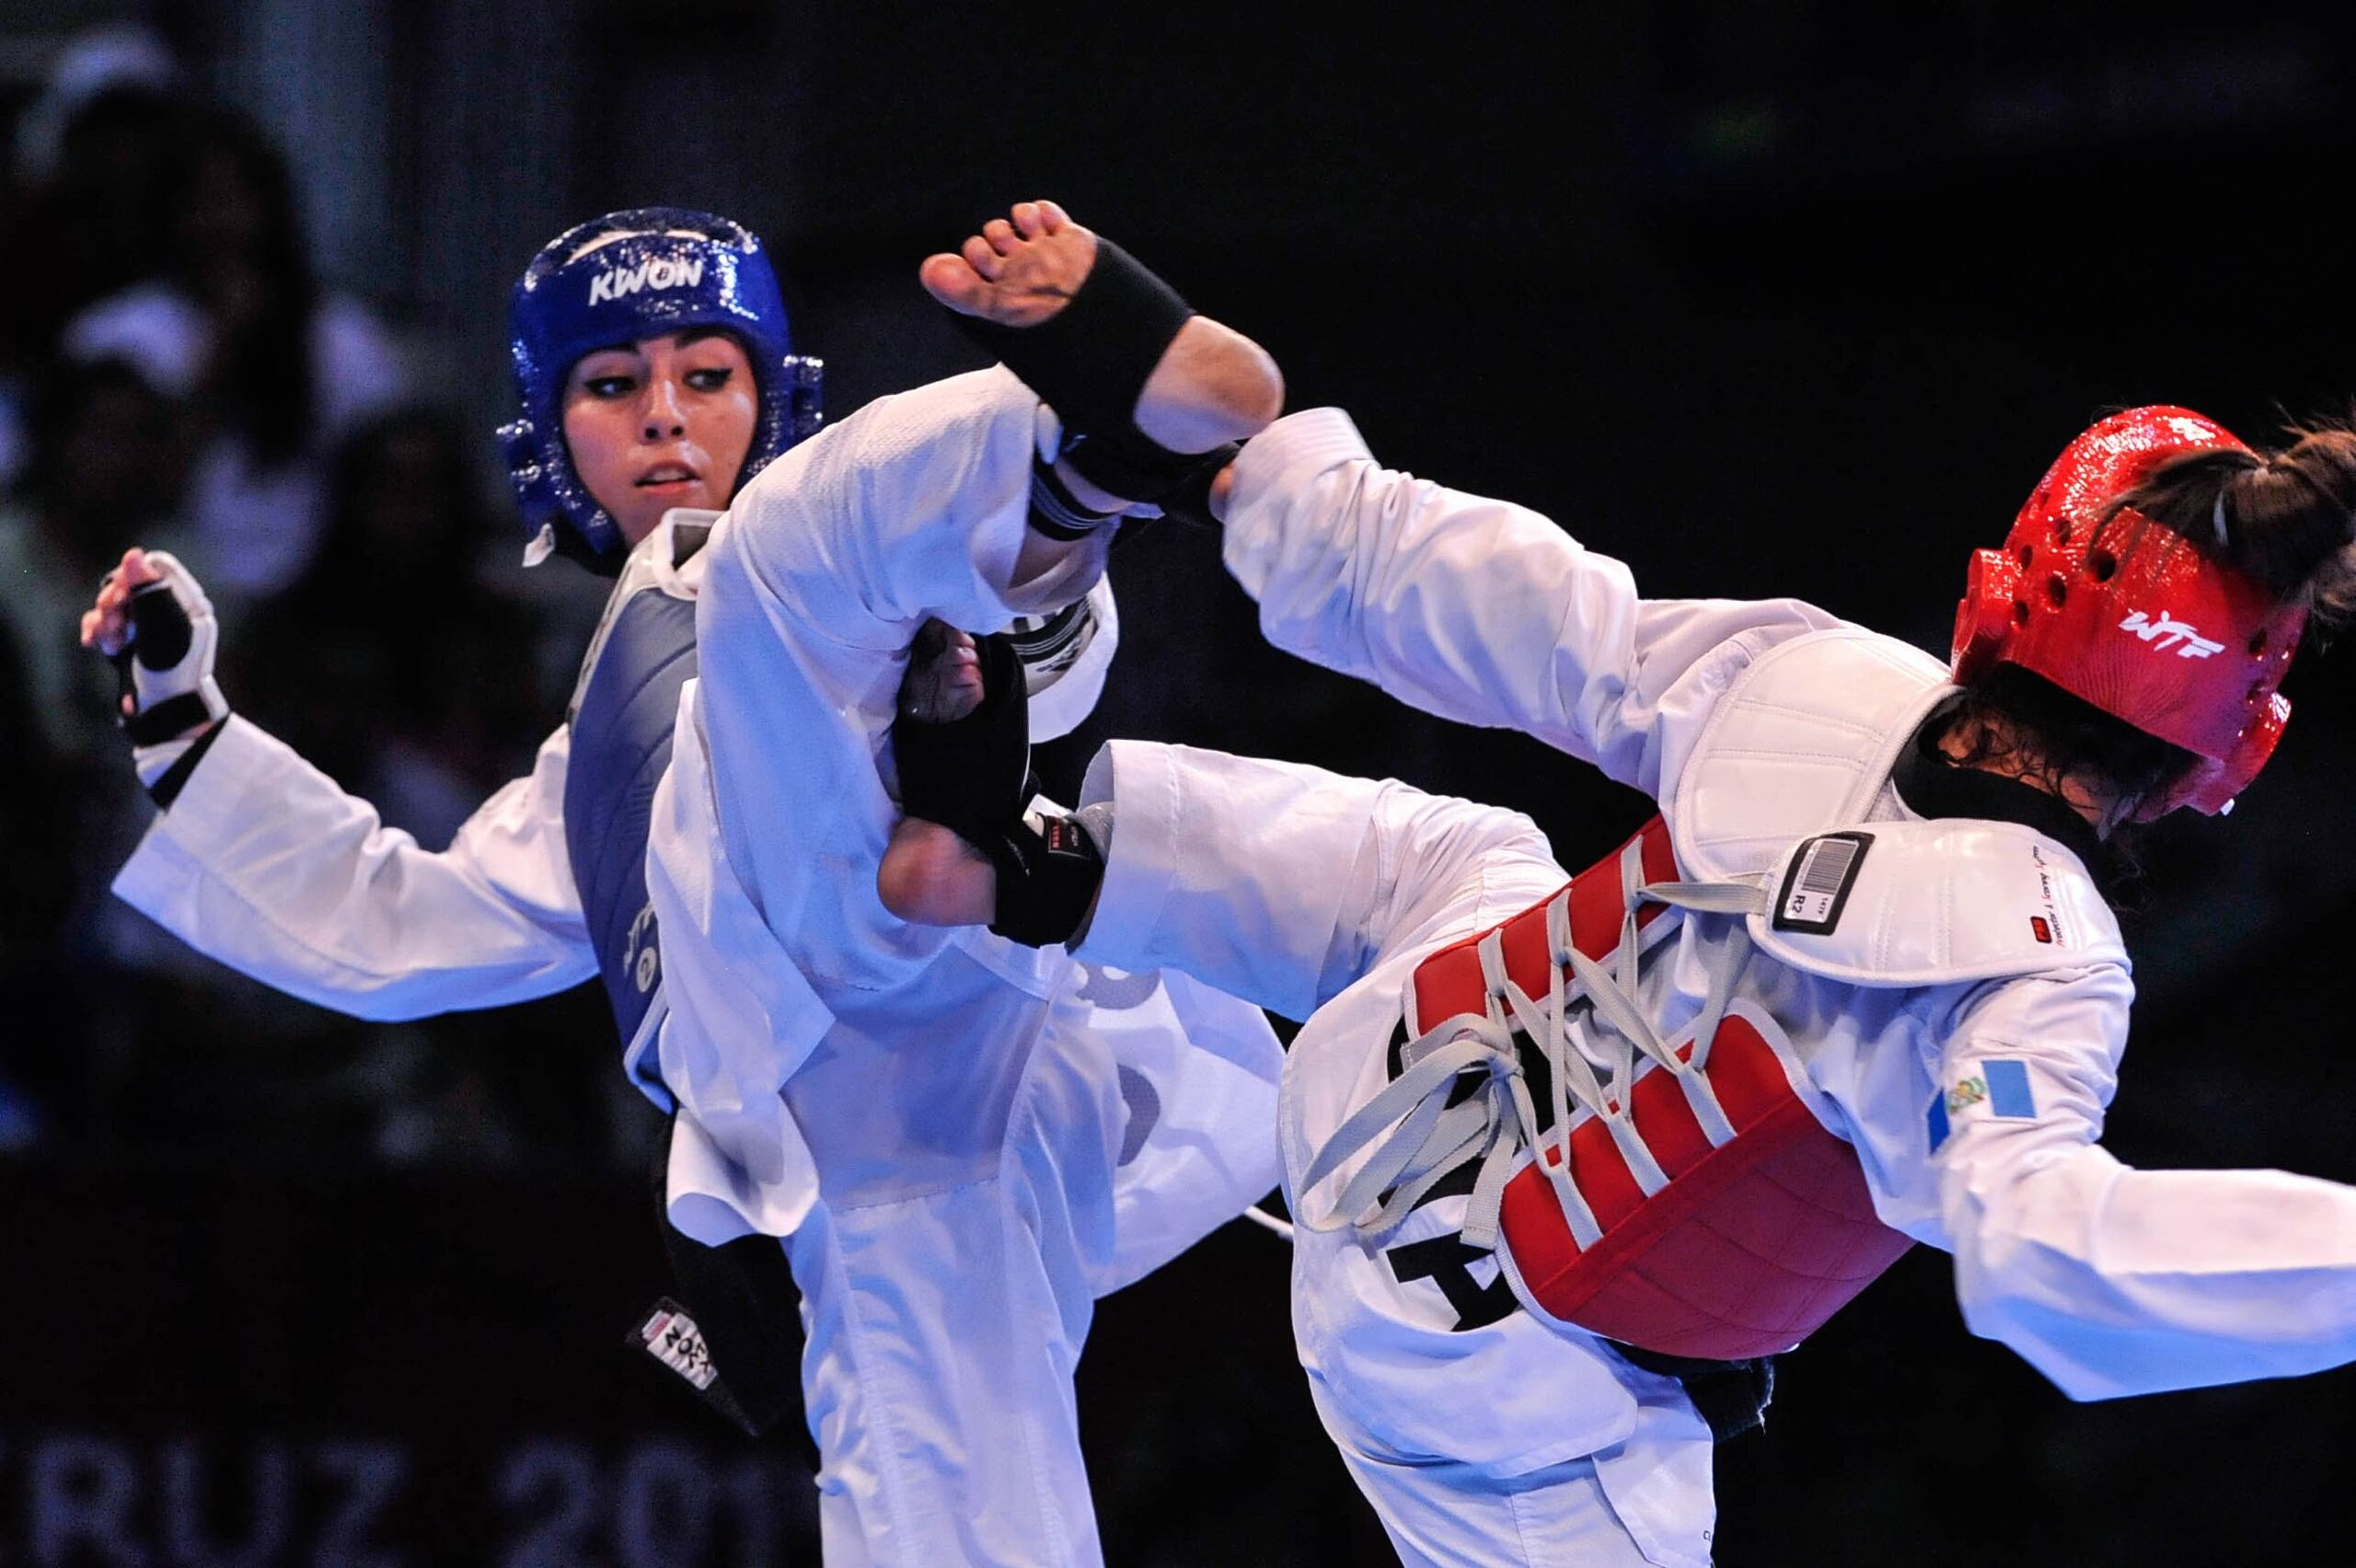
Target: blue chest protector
[(739, 1299), (622, 718)]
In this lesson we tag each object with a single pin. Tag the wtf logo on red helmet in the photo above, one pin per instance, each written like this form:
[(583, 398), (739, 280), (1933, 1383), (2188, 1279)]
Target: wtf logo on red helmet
[(2164, 634)]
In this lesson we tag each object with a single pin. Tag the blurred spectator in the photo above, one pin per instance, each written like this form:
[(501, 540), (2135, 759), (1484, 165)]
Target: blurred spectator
[(36, 877), (108, 457), (391, 665), (389, 662), (114, 57), (87, 221), (235, 324)]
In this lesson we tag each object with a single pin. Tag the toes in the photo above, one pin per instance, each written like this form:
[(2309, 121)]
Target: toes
[(982, 258), (950, 280), (1051, 216), (1001, 234), (1028, 221)]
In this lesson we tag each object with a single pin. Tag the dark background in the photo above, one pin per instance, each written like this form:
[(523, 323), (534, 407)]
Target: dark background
[(1785, 297)]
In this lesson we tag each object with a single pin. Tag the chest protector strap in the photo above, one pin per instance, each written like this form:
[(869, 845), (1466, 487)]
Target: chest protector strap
[(1682, 1197), (624, 710)]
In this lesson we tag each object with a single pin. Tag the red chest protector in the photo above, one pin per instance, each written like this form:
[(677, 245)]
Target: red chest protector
[(1752, 1242)]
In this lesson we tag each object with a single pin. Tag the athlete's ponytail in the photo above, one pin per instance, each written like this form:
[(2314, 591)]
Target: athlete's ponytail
[(2283, 519)]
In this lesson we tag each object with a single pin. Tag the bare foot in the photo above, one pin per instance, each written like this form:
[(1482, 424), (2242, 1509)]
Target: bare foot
[(1019, 270), (945, 678), (929, 876), (1212, 385)]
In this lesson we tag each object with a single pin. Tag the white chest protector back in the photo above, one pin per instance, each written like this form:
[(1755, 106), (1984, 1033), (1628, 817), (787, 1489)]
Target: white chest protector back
[(1697, 1197)]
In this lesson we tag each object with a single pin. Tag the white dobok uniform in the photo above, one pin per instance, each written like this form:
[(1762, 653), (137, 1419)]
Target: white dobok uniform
[(1960, 1026), (962, 1142)]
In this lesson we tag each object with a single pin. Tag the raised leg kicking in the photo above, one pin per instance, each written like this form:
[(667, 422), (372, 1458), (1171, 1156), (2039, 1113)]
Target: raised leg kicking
[(935, 1121)]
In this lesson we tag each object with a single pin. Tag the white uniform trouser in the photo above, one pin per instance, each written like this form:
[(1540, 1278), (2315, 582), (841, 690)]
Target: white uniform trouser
[(945, 1324), (1443, 1513), (906, 1397)]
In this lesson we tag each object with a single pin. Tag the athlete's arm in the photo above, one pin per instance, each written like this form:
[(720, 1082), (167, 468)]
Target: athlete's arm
[(1281, 883), (263, 863), (2110, 1280), (1474, 609)]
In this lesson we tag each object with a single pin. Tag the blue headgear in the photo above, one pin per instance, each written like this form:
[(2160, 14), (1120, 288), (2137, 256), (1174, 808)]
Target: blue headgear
[(615, 280)]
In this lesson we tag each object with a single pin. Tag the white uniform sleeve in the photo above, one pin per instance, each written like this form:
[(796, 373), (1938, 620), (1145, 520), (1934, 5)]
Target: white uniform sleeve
[(1281, 883), (916, 505), (2109, 1280), (1476, 610), (264, 864)]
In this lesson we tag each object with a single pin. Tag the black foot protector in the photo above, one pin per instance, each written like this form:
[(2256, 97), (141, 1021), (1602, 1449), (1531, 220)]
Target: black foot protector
[(973, 776), (1048, 871), (1090, 361)]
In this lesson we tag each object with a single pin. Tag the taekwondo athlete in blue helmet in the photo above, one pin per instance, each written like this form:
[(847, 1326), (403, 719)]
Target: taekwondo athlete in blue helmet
[(662, 385), (655, 377), (962, 1142)]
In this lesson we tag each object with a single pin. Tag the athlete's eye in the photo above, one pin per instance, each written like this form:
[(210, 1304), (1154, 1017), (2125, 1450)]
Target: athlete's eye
[(710, 380), (610, 386)]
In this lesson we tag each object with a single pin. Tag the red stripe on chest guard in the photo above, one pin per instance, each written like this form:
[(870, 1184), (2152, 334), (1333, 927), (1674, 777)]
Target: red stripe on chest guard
[(1449, 983), (1753, 1244)]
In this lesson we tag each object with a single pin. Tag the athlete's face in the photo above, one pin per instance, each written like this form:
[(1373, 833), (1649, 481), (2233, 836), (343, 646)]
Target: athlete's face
[(662, 422)]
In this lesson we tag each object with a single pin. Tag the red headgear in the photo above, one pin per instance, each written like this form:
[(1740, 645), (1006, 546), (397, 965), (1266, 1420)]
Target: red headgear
[(2134, 617)]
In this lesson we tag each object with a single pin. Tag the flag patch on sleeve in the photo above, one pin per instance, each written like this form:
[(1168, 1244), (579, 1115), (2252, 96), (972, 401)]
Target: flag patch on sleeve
[(2009, 1096), (1998, 1088)]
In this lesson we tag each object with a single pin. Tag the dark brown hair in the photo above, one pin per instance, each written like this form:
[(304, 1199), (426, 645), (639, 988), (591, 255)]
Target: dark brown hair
[(2290, 518), (2015, 719), (2289, 515)]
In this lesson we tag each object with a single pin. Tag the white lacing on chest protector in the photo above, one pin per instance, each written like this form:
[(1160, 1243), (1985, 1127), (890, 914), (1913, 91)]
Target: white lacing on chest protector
[(1430, 1138)]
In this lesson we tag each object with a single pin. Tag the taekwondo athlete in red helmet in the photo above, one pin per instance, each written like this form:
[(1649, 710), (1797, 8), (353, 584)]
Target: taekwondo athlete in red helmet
[(1567, 1160)]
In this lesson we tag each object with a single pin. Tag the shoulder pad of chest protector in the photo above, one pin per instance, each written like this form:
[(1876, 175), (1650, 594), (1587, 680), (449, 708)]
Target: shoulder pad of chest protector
[(1800, 743), (1901, 904)]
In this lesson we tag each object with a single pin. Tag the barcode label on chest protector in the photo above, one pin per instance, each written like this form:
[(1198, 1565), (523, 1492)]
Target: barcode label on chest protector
[(1817, 886)]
